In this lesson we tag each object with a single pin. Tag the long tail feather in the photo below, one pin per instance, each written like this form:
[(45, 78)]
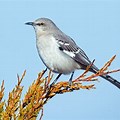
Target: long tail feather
[(107, 77), (112, 80)]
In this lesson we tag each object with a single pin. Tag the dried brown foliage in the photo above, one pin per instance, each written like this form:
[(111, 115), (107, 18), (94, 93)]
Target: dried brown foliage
[(40, 92)]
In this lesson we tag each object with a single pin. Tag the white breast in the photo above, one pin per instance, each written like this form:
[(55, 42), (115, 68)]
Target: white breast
[(53, 58)]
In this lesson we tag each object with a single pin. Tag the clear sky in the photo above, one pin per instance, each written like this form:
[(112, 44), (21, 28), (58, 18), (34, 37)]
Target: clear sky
[(93, 24)]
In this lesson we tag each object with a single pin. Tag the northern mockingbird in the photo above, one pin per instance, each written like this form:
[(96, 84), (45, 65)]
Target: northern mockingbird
[(59, 52)]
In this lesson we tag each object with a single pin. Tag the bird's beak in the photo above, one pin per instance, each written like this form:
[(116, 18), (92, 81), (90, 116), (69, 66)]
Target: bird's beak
[(30, 23)]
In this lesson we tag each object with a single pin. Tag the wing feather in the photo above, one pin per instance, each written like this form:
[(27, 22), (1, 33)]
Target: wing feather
[(69, 47)]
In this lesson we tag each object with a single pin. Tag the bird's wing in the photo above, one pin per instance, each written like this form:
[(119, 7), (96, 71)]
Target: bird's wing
[(69, 47)]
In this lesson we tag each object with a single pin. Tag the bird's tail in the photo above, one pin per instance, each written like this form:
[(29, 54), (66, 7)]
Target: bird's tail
[(107, 77), (112, 80)]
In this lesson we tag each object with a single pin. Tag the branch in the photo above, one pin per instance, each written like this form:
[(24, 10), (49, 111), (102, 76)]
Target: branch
[(40, 92)]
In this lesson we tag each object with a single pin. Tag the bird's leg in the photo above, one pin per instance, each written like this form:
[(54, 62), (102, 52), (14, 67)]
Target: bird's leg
[(71, 77), (44, 70), (56, 79)]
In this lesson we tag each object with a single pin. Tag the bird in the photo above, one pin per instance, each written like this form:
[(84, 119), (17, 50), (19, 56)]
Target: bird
[(60, 53)]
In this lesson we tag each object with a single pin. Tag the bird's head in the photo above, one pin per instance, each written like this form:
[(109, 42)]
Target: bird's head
[(42, 25)]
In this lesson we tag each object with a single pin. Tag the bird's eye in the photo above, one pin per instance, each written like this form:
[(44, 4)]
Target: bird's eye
[(39, 24), (42, 23)]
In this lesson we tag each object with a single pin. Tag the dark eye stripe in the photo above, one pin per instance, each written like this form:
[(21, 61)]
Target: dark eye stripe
[(39, 24)]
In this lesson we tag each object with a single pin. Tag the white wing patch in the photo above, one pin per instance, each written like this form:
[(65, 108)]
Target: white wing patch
[(71, 54), (68, 49), (77, 51), (63, 43)]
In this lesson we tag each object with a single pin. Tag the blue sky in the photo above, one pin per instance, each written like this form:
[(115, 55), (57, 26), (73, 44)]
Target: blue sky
[(93, 24)]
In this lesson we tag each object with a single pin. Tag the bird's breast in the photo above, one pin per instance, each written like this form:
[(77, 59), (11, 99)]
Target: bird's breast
[(53, 58)]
